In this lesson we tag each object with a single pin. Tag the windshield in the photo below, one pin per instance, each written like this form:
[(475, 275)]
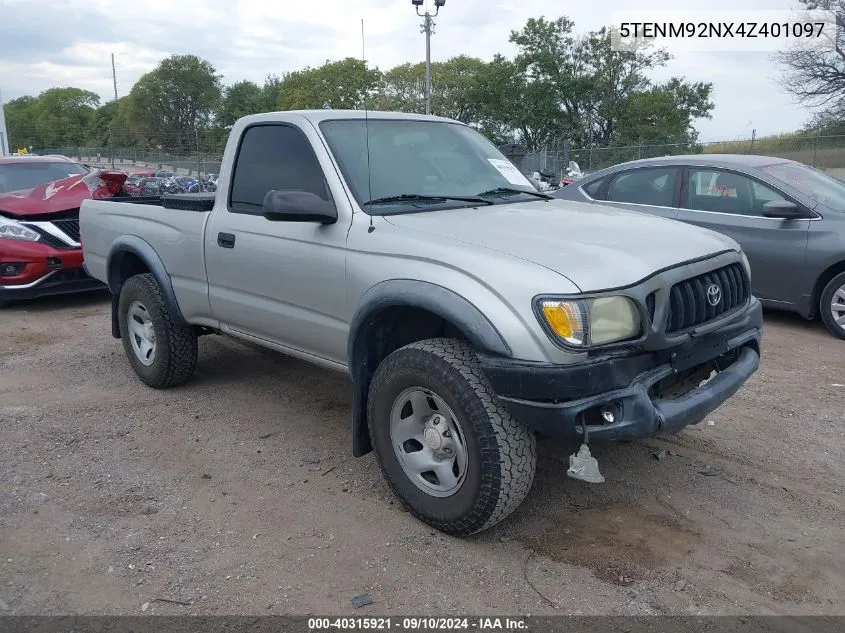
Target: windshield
[(811, 182), (18, 176), (419, 158)]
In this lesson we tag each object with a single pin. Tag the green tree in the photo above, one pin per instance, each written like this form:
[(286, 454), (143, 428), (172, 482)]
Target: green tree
[(167, 105), (63, 116), (515, 107), (20, 121), (457, 88), (403, 89), (593, 93), (345, 84), (100, 134), (271, 93), (664, 114), (241, 99)]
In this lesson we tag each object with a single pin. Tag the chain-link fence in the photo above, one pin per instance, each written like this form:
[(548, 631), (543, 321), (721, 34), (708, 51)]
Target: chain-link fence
[(824, 152), (202, 152), (189, 153)]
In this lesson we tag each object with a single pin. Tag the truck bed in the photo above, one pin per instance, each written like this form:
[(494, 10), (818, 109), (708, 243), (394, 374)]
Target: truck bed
[(172, 226), (181, 202)]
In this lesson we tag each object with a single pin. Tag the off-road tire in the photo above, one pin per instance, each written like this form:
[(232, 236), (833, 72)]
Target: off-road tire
[(502, 452), (825, 302), (176, 342)]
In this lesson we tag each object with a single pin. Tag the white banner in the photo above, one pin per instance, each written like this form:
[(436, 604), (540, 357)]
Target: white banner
[(739, 30)]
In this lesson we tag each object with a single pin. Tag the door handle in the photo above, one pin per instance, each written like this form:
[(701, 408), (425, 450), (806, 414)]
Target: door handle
[(226, 240)]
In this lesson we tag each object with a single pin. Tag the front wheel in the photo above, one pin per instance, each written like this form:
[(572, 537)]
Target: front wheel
[(161, 349), (832, 305), (457, 459)]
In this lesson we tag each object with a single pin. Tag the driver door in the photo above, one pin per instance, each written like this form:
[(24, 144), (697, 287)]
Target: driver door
[(282, 282)]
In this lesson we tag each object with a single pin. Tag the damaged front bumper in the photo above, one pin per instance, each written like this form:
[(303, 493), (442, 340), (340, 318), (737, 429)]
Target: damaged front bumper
[(634, 396)]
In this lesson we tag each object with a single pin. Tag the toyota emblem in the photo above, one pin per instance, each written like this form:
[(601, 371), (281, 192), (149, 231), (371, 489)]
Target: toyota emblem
[(714, 295)]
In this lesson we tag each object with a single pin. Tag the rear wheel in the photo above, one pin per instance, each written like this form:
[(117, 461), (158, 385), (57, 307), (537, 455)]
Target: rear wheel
[(457, 459), (832, 305), (161, 349)]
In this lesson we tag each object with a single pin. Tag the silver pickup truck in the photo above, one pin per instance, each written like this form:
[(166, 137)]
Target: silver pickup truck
[(470, 310)]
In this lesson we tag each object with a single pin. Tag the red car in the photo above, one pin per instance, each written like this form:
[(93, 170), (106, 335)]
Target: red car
[(40, 196)]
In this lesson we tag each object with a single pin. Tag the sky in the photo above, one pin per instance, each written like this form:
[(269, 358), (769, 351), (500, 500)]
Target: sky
[(57, 43)]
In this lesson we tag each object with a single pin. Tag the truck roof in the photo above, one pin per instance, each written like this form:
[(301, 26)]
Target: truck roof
[(317, 116)]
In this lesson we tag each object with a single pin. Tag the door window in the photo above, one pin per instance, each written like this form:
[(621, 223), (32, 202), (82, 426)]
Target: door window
[(727, 192), (592, 189), (274, 157), (653, 187)]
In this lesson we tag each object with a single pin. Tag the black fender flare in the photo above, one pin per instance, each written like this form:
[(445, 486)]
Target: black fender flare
[(445, 303), (147, 254)]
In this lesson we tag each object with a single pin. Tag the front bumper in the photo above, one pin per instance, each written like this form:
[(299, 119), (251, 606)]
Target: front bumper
[(46, 271), (560, 400)]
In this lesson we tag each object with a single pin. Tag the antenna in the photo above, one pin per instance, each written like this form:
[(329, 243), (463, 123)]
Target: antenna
[(367, 131)]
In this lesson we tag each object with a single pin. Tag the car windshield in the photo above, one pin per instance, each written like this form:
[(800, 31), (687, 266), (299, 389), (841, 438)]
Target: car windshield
[(411, 160), (26, 175), (811, 182)]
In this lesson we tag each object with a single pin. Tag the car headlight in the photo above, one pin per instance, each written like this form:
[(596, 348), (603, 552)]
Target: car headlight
[(746, 264), (12, 230), (592, 322)]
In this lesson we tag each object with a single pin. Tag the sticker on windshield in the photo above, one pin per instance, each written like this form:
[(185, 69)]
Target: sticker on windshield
[(509, 171)]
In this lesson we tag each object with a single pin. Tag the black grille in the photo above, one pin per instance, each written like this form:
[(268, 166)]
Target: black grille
[(688, 300), (47, 238), (70, 227)]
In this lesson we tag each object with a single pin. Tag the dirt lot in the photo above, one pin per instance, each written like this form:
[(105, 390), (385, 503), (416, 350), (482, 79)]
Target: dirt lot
[(237, 494)]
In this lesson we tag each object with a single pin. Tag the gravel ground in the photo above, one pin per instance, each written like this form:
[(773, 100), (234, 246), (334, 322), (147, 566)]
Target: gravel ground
[(237, 493)]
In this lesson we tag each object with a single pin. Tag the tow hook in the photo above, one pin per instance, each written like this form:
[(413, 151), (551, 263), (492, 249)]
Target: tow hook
[(582, 465)]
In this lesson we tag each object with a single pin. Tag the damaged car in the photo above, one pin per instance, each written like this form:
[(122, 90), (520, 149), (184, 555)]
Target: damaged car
[(40, 248)]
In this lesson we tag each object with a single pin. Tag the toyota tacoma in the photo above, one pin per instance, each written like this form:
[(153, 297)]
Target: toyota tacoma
[(470, 311)]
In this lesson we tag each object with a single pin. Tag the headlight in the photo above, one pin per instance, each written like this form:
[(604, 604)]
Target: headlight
[(11, 230), (591, 322), (746, 264)]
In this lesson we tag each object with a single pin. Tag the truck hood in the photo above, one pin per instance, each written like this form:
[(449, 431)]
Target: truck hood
[(596, 247), (62, 195)]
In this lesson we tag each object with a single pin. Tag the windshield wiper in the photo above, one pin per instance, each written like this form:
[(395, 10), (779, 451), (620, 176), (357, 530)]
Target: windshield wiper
[(416, 197), (510, 191)]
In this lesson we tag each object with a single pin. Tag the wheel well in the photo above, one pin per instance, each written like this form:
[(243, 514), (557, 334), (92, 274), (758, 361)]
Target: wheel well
[(129, 266), (398, 326), (385, 332), (126, 264), (823, 280)]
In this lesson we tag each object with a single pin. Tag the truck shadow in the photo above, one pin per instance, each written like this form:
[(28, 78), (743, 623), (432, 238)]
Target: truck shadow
[(90, 302)]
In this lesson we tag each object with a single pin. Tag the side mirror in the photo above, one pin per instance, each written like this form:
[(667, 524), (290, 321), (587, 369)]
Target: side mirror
[(782, 209), (298, 206)]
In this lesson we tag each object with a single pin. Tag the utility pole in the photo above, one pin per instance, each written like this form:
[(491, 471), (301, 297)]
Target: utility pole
[(111, 135), (428, 29), (4, 133), (114, 77)]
